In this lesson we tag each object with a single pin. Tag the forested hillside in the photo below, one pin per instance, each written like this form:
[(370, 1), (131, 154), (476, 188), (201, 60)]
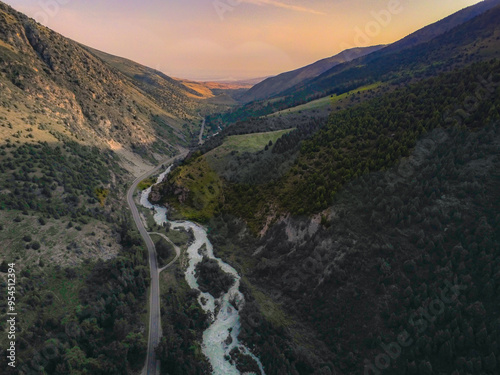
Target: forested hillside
[(85, 319), (367, 138), (81, 271), (375, 250), (400, 276)]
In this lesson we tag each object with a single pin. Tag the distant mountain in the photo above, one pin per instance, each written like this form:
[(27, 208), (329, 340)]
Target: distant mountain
[(219, 93), (249, 81), (210, 89), (91, 97), (279, 83), (299, 90), (474, 40)]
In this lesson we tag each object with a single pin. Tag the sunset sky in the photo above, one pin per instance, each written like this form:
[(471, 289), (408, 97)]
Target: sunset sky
[(233, 39)]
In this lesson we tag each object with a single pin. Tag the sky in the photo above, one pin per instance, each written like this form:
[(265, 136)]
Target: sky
[(234, 39)]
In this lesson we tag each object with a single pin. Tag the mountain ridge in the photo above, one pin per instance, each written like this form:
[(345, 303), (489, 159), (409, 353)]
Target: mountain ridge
[(352, 75), (442, 26), (402, 50), (274, 85), (139, 116)]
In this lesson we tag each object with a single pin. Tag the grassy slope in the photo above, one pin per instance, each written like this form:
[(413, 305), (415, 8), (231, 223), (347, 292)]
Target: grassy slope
[(247, 142), (203, 187), (326, 102), (200, 179)]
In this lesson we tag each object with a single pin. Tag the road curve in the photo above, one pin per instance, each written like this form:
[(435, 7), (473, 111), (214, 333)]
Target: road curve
[(177, 250), (152, 366)]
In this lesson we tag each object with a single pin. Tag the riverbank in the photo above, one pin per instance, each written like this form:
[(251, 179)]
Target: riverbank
[(220, 339)]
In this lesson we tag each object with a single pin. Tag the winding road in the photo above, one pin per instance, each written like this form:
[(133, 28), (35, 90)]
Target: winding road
[(152, 366), (176, 248)]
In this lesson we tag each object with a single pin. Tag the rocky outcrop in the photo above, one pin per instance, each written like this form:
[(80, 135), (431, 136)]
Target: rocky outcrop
[(160, 193)]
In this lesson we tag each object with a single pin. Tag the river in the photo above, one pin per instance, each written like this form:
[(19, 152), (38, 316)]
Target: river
[(225, 319)]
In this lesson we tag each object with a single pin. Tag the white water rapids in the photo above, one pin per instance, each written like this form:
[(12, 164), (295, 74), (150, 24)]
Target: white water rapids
[(225, 319)]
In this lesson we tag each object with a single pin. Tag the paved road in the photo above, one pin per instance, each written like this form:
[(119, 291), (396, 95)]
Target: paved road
[(152, 366)]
